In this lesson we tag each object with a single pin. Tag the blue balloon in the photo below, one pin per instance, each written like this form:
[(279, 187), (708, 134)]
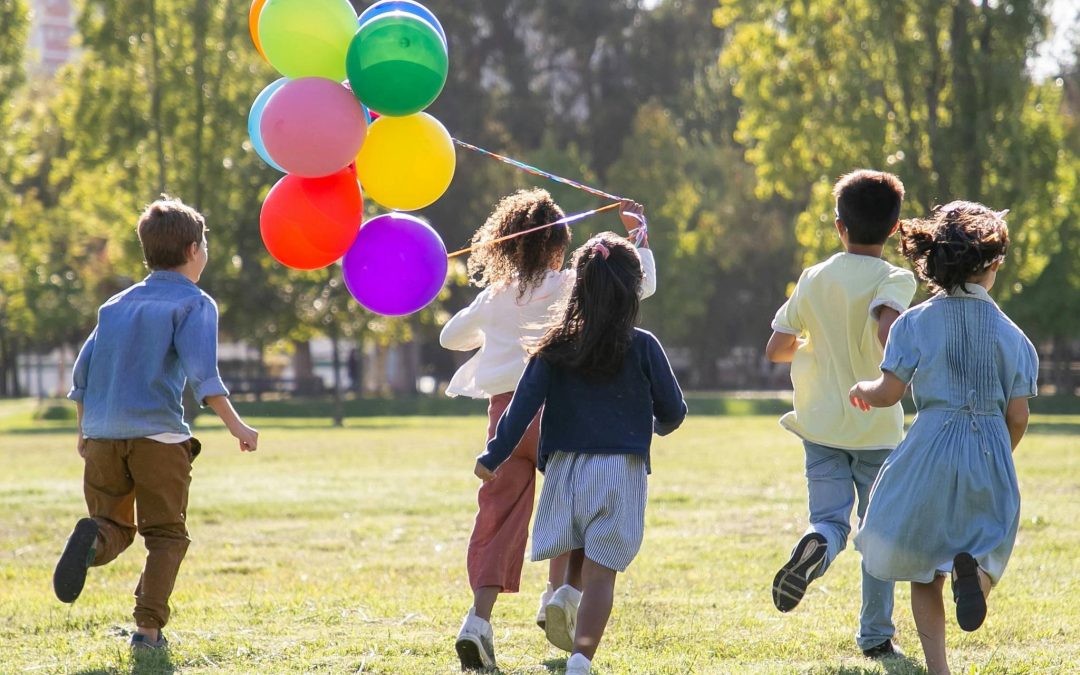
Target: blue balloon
[(409, 6), (255, 120)]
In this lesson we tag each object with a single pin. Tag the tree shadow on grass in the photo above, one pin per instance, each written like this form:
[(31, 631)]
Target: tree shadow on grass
[(892, 666), (556, 665)]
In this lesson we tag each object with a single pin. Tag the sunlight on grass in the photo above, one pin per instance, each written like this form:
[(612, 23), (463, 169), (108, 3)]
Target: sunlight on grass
[(342, 551)]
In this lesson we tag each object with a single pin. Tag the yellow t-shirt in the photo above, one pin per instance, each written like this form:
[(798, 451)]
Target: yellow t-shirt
[(834, 310)]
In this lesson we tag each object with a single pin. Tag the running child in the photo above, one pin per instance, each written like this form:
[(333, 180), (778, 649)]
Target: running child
[(832, 330), (604, 387), (946, 501), (150, 340)]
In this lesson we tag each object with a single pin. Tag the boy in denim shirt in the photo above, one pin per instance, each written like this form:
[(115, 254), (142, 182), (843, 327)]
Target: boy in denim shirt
[(127, 384), (833, 330)]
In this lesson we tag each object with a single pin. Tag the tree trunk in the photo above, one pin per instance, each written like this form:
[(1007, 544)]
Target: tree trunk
[(335, 347), (155, 96)]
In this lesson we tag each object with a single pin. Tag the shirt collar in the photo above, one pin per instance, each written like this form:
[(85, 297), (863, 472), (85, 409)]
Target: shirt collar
[(974, 291), (169, 276)]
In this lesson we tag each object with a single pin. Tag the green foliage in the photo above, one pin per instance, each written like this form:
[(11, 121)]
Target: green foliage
[(937, 92)]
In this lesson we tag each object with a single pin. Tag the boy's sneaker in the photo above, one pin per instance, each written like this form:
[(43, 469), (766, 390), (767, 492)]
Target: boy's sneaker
[(967, 592), (70, 574), (141, 642), (885, 650), (545, 598), (561, 617), (475, 643), (578, 665), (789, 584)]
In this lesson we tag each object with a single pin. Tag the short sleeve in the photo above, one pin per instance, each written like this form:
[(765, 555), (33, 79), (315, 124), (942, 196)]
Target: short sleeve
[(895, 292), (1025, 382), (787, 318), (901, 350)]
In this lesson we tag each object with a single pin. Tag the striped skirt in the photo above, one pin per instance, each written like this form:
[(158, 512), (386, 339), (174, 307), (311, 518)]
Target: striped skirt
[(593, 502)]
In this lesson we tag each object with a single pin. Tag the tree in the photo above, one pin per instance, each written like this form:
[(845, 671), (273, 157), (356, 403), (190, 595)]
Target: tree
[(938, 92)]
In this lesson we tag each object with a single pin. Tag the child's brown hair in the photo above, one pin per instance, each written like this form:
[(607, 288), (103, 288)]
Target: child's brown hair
[(167, 229), (961, 240), (528, 258)]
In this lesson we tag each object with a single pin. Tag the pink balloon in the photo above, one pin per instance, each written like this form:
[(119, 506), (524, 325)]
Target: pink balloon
[(313, 127)]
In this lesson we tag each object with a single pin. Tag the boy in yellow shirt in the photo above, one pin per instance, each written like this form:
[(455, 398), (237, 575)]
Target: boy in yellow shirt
[(833, 330)]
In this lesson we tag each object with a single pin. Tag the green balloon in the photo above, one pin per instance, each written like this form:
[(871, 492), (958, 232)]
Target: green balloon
[(307, 38), (397, 64)]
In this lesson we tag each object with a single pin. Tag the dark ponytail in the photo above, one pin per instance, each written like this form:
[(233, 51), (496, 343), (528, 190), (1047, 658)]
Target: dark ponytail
[(961, 240), (597, 323)]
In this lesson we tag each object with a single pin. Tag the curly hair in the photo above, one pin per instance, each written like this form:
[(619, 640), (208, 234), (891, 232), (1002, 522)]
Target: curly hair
[(597, 324), (525, 259), (959, 241)]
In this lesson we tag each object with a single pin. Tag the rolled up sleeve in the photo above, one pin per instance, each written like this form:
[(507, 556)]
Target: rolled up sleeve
[(196, 343), (80, 373), (648, 272)]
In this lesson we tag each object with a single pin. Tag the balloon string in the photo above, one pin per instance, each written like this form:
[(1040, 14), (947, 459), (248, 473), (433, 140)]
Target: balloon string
[(561, 221), (538, 172)]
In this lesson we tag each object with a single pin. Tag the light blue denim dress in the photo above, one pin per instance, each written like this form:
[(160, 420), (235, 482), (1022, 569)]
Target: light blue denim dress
[(950, 487)]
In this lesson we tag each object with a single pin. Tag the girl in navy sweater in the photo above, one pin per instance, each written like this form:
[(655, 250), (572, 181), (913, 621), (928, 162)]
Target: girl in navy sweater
[(604, 387)]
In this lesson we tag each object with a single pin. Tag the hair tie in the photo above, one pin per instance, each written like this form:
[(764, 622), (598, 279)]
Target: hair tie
[(599, 247)]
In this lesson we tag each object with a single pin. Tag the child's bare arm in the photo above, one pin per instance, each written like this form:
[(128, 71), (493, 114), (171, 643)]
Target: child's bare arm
[(883, 392), (248, 437), (781, 347), (1016, 419), (887, 316)]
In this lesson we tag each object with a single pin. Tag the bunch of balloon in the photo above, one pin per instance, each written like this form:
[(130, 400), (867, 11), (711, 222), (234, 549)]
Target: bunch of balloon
[(332, 135)]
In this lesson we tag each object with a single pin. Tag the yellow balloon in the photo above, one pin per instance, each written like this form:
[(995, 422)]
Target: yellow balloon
[(406, 163)]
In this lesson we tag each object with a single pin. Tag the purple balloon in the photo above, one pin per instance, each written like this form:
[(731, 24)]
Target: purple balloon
[(397, 265), (313, 127)]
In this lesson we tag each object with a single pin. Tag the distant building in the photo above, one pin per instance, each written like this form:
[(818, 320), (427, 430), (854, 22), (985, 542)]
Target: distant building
[(52, 26)]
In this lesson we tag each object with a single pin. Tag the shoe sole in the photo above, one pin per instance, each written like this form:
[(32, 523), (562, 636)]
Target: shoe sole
[(790, 583), (558, 628), (970, 601), (70, 574), (471, 656)]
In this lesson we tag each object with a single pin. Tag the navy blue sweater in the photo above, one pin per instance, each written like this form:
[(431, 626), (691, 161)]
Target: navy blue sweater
[(592, 414)]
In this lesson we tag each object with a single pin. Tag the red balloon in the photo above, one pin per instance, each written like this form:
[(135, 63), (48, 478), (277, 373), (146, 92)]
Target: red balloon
[(309, 223)]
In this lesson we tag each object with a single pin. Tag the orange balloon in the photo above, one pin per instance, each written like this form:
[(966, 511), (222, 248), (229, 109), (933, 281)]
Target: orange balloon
[(309, 223), (253, 25)]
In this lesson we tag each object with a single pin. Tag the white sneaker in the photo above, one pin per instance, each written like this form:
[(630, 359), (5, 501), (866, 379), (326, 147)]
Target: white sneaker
[(561, 617), (545, 598), (578, 665), (475, 643)]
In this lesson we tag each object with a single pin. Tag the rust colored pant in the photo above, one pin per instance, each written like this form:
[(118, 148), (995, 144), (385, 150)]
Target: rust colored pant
[(497, 545), (139, 476)]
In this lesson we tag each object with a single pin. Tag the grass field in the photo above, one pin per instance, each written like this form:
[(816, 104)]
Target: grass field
[(342, 551)]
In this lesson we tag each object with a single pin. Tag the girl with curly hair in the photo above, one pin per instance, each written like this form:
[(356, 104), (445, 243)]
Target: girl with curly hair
[(946, 502), (522, 281)]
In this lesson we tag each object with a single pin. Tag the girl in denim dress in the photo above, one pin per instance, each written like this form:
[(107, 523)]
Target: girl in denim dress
[(946, 501)]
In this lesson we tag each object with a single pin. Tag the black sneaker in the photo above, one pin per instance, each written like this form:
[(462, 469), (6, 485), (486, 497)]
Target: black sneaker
[(967, 593), (789, 584), (70, 574), (885, 650)]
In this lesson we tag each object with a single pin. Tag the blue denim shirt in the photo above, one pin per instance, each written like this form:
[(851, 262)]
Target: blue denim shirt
[(149, 339)]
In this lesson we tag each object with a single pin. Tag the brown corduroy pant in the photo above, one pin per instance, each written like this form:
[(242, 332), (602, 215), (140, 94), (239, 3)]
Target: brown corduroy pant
[(139, 475)]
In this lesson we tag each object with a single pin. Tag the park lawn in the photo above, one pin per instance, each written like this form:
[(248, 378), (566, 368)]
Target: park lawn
[(342, 551)]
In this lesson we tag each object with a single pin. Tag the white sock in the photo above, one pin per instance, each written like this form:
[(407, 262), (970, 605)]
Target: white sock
[(579, 659)]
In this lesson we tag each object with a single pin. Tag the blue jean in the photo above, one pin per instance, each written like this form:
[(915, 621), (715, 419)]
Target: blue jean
[(834, 478)]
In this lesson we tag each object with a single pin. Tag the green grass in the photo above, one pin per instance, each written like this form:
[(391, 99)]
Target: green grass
[(342, 551)]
